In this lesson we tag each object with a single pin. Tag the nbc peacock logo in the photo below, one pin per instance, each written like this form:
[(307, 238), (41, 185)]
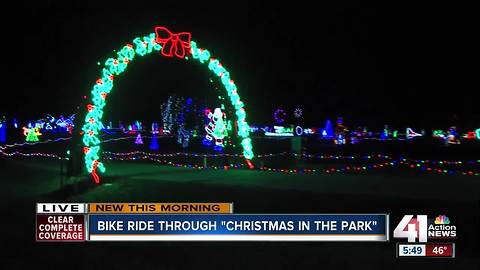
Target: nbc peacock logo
[(442, 219)]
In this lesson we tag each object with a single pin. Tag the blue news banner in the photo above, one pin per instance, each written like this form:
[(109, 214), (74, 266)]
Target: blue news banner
[(238, 227)]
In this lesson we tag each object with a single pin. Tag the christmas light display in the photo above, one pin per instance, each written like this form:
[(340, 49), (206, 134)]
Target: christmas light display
[(183, 135), (385, 133), (183, 111), (167, 117), (279, 116), (163, 161), (137, 125), (155, 129), (410, 134), (384, 161), (327, 132), (357, 135), (298, 130), (310, 131), (173, 44), (34, 143), (3, 131), (139, 140), (17, 153), (297, 112), (449, 137), (61, 140), (31, 134), (469, 136), (340, 140), (49, 127), (216, 129), (65, 123), (154, 140), (243, 128), (381, 161), (440, 134), (452, 136), (164, 155), (280, 131), (340, 132), (50, 124), (477, 132)]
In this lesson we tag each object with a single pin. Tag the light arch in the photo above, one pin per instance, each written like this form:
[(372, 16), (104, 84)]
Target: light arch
[(168, 44)]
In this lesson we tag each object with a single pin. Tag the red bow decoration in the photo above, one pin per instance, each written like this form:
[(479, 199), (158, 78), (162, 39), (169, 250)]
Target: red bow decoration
[(172, 42)]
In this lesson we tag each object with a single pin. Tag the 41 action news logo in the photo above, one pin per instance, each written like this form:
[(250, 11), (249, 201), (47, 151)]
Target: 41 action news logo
[(421, 227)]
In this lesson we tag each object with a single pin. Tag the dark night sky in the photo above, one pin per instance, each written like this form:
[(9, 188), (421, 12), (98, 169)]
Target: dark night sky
[(410, 66)]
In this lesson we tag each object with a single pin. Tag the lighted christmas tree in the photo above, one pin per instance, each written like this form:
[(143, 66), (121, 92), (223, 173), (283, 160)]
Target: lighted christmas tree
[(32, 135), (3, 131), (139, 139), (180, 131), (183, 136), (328, 131), (154, 142), (167, 116)]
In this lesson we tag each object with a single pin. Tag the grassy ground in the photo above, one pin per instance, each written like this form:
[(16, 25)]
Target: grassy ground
[(28, 181)]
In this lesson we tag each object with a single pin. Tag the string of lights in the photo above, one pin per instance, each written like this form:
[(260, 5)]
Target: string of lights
[(386, 157), (386, 161), (303, 155), (65, 139), (188, 154), (328, 170), (17, 153), (344, 168), (423, 168), (33, 143), (340, 157), (445, 162), (175, 164)]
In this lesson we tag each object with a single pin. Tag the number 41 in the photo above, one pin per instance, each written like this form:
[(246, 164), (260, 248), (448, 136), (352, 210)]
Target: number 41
[(412, 224)]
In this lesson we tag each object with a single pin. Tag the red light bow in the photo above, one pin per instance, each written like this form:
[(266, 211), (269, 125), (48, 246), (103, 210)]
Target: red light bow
[(172, 42)]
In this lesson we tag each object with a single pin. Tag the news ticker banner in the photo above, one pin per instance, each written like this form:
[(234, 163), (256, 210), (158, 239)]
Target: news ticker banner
[(198, 222)]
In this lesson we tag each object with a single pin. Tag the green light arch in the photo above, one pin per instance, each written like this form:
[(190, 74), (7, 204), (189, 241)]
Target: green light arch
[(116, 66)]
